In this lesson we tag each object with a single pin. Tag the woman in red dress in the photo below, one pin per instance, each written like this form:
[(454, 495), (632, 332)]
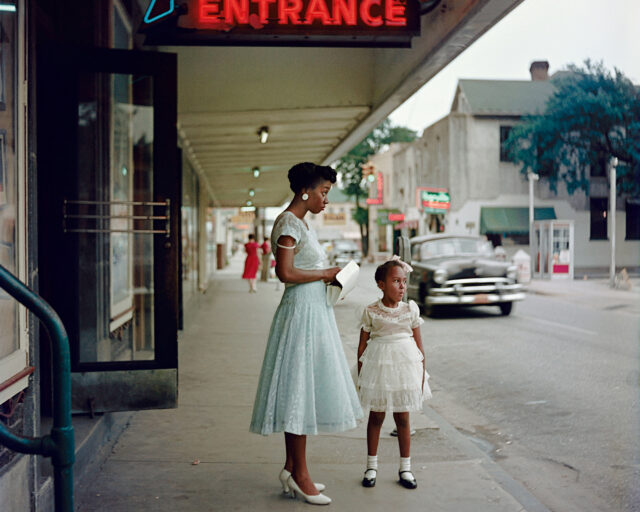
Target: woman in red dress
[(252, 263)]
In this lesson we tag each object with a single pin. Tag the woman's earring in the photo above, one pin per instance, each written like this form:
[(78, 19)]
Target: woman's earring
[(305, 196)]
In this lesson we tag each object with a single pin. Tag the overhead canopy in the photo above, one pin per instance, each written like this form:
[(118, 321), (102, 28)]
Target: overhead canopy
[(511, 220), (317, 103)]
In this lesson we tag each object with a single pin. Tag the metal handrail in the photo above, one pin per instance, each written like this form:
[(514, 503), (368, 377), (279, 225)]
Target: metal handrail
[(59, 444)]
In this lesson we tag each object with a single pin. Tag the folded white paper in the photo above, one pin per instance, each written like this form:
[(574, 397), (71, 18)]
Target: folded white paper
[(344, 283)]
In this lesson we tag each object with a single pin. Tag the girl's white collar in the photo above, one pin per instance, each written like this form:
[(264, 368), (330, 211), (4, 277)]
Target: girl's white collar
[(388, 309)]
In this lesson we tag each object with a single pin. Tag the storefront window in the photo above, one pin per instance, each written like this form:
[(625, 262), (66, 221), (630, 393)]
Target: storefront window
[(115, 249), (9, 196)]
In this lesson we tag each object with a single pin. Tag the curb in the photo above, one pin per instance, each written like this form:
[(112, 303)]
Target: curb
[(520, 493)]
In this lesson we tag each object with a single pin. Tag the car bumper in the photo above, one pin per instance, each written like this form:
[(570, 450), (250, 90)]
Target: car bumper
[(477, 294)]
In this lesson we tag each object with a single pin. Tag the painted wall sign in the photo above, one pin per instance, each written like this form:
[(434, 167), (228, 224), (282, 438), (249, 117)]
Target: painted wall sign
[(282, 22), (433, 200), (379, 190)]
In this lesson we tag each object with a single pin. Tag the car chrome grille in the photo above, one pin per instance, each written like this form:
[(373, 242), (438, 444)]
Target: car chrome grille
[(476, 285)]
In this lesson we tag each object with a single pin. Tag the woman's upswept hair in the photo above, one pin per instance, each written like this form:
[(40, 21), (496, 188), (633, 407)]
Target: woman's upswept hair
[(381, 271), (308, 175)]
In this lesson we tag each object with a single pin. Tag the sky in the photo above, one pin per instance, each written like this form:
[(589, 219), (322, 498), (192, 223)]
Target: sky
[(559, 31)]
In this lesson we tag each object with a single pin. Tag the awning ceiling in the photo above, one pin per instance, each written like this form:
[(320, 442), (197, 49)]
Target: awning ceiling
[(316, 102), (511, 220)]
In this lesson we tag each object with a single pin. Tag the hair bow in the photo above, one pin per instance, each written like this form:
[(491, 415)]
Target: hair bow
[(405, 266)]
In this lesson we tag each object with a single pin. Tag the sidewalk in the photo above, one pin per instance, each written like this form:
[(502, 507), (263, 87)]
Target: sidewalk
[(201, 456)]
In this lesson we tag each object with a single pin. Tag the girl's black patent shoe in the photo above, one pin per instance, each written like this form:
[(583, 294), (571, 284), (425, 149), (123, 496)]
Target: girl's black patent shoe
[(407, 479), (368, 480)]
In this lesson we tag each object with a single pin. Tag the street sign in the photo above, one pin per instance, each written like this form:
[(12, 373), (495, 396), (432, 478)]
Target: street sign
[(373, 23)]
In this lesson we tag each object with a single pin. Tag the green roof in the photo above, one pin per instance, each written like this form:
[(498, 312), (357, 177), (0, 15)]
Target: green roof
[(506, 97)]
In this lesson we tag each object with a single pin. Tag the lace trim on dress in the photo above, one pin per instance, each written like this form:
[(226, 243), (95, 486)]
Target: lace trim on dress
[(395, 315)]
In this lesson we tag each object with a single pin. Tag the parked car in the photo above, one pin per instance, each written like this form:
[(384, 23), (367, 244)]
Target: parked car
[(343, 251), (460, 270)]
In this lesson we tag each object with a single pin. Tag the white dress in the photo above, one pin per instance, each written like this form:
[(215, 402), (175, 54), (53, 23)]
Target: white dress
[(391, 375)]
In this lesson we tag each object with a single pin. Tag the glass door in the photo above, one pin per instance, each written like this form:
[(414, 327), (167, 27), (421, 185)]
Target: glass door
[(116, 279)]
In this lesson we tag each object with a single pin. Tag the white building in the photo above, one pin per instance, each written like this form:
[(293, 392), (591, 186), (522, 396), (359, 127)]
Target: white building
[(384, 204), (463, 155)]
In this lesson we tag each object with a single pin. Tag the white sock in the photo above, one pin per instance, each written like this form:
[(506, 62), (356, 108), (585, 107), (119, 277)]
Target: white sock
[(405, 464), (372, 464)]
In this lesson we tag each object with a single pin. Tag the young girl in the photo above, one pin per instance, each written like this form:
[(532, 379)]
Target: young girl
[(391, 372)]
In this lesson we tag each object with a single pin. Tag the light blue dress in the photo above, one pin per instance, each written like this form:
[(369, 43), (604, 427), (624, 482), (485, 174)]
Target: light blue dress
[(305, 386)]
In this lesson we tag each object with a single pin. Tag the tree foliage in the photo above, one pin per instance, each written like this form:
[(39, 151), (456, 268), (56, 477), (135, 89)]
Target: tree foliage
[(592, 116), (350, 167)]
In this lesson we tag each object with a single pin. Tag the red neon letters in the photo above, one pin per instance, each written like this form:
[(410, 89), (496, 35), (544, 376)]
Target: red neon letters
[(330, 13)]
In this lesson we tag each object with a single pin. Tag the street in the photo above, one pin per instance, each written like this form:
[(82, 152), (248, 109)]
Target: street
[(551, 392)]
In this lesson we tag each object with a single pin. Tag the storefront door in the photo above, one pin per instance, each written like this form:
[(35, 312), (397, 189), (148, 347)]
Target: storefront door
[(108, 186)]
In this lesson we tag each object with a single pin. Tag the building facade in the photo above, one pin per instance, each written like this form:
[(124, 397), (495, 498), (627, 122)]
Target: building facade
[(463, 154)]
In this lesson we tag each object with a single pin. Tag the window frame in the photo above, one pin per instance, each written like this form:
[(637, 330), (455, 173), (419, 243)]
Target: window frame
[(504, 128), (635, 203), (605, 222), (14, 367)]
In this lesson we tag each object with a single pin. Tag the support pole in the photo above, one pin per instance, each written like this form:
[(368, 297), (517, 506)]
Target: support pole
[(532, 177), (612, 219)]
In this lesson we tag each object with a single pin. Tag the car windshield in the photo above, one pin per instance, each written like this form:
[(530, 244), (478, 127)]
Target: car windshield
[(453, 246)]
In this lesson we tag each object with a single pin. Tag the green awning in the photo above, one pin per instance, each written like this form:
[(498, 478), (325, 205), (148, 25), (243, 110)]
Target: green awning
[(510, 220)]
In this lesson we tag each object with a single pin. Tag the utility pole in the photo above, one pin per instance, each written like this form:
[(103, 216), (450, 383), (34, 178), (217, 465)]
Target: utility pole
[(612, 219), (532, 177)]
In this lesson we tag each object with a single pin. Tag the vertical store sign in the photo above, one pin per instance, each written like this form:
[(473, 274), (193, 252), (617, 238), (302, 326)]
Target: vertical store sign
[(283, 22), (379, 190)]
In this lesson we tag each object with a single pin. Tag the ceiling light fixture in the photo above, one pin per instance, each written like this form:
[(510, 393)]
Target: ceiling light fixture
[(256, 172), (249, 203), (252, 192), (263, 133)]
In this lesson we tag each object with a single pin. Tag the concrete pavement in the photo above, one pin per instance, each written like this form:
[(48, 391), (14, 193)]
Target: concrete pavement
[(202, 457)]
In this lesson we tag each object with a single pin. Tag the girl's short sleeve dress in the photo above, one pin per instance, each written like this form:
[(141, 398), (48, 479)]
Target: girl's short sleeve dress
[(305, 386), (391, 376)]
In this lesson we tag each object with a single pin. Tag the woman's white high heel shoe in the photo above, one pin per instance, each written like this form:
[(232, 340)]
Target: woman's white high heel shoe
[(318, 499), (284, 475)]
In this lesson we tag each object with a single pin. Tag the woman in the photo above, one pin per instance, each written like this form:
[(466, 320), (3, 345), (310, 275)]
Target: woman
[(266, 260), (252, 263), (305, 385)]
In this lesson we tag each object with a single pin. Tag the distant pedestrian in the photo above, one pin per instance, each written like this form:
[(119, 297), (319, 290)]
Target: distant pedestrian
[(391, 371), (266, 260), (305, 385), (251, 263)]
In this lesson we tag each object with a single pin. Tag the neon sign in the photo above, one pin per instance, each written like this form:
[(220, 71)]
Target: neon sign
[(379, 190), (224, 14), (433, 200), (283, 22)]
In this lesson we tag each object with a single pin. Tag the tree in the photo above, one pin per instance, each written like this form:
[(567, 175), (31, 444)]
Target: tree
[(350, 169), (593, 115)]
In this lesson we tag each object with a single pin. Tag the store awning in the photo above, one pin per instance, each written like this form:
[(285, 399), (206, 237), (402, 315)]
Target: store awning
[(511, 220)]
